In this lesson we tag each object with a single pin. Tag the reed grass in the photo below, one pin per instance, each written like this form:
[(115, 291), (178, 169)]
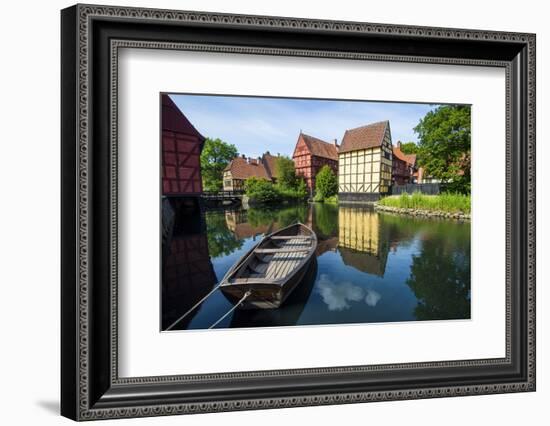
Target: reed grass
[(446, 202)]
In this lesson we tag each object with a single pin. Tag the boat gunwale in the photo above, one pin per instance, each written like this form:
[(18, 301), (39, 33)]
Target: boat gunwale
[(279, 281)]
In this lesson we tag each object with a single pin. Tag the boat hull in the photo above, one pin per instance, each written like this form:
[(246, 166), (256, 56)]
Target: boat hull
[(260, 289), (262, 295)]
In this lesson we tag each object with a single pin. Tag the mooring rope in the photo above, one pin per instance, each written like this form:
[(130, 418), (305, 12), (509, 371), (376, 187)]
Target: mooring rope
[(248, 293), (195, 306)]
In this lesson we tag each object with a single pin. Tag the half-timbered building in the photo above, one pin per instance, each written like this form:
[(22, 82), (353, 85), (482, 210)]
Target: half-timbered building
[(404, 166), (241, 168), (365, 163), (181, 149), (310, 155), (270, 163)]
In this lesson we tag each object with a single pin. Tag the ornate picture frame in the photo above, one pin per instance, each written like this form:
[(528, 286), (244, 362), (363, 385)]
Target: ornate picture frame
[(91, 37)]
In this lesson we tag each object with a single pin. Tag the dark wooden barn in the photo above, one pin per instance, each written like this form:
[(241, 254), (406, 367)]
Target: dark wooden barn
[(181, 149)]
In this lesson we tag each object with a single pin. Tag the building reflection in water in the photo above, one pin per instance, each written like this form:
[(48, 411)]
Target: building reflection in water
[(362, 242), (188, 273), (237, 222), (429, 279)]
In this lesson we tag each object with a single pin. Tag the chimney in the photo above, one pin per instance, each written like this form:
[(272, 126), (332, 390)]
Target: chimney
[(399, 144), (243, 156), (336, 143), (267, 153)]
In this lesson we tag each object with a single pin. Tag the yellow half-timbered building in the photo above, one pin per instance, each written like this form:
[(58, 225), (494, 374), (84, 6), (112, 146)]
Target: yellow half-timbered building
[(362, 241), (365, 163)]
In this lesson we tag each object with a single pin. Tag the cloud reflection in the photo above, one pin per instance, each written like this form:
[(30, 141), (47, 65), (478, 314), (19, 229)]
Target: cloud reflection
[(337, 296)]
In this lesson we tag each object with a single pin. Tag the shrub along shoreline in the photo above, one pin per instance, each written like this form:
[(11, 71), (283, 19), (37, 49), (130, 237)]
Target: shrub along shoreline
[(446, 205)]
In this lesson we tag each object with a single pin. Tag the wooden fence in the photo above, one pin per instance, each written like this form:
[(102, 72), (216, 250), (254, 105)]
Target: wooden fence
[(424, 188)]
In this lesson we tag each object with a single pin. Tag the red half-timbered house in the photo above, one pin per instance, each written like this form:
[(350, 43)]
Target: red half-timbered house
[(241, 168), (403, 166), (181, 149), (310, 154)]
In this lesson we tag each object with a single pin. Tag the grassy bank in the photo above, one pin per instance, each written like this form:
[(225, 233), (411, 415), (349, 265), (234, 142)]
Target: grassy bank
[(452, 203)]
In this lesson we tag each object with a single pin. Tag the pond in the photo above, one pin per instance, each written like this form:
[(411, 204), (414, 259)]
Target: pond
[(370, 267)]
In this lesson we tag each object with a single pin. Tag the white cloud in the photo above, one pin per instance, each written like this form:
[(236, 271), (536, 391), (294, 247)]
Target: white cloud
[(372, 298), (338, 295)]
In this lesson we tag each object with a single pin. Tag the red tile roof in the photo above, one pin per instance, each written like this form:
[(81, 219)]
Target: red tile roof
[(407, 158), (240, 168), (320, 148), (270, 162), (364, 137)]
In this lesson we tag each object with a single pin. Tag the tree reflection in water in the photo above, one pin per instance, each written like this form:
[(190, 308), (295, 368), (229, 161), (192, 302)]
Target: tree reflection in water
[(221, 241), (440, 277), (371, 267)]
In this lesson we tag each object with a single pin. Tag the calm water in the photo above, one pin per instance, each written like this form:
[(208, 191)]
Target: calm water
[(370, 267)]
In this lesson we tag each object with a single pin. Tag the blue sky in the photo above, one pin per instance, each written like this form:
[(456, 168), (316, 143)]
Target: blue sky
[(255, 125)]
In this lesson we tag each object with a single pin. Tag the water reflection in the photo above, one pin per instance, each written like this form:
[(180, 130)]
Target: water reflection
[(370, 267), (440, 278), (361, 242), (288, 314), (338, 296), (187, 273)]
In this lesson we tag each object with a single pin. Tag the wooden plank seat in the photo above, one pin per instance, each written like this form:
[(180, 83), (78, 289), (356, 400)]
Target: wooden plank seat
[(291, 237), (251, 280), (280, 259), (283, 250), (286, 258)]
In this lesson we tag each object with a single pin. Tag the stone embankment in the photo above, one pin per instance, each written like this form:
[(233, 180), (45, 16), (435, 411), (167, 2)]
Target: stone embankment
[(424, 213)]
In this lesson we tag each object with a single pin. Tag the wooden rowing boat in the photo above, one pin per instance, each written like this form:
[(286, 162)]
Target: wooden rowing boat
[(266, 275)]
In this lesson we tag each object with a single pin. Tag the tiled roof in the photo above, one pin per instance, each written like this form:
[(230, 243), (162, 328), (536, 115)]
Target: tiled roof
[(242, 169), (320, 148), (364, 137), (270, 162), (407, 158)]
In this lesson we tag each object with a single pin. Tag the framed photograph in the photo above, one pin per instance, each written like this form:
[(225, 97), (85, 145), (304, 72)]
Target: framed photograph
[(263, 212)]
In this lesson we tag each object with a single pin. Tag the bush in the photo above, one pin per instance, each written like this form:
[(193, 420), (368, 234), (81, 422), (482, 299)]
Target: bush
[(296, 193), (326, 184), (265, 192), (261, 190), (286, 172)]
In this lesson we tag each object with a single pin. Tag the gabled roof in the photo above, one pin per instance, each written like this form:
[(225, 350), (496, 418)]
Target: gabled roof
[(365, 137), (175, 121), (240, 168), (320, 148), (270, 163), (407, 158)]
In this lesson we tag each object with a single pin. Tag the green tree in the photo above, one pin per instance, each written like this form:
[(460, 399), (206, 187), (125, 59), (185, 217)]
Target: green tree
[(216, 155), (326, 184), (261, 190), (286, 172), (444, 148), (409, 148)]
